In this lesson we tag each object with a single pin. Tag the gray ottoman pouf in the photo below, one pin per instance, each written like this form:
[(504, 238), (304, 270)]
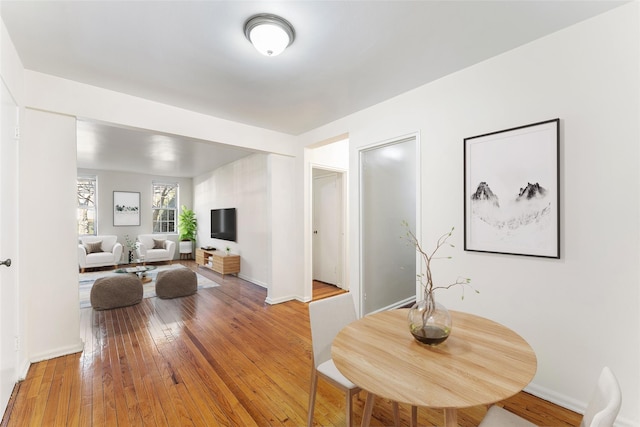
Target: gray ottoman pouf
[(176, 283), (117, 290)]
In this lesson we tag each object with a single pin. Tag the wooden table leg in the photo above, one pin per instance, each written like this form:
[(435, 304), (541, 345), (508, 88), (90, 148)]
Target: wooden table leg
[(414, 416), (396, 414), (451, 417), (368, 409)]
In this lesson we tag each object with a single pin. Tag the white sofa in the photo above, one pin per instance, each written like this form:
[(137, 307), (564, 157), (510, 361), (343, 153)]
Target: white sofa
[(155, 247), (98, 251)]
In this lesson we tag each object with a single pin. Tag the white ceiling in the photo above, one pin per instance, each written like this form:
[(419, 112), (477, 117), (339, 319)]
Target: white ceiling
[(105, 147), (347, 55)]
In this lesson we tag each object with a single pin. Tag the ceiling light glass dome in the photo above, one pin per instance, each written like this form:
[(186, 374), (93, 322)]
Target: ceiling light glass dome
[(269, 34)]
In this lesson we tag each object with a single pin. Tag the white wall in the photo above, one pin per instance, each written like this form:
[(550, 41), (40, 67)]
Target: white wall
[(333, 156), (243, 185), (580, 312), (110, 181), (47, 231)]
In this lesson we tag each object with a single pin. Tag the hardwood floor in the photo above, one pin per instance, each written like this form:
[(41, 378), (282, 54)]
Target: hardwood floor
[(220, 357), (325, 290)]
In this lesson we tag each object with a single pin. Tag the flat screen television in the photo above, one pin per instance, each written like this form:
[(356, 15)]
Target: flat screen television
[(223, 224)]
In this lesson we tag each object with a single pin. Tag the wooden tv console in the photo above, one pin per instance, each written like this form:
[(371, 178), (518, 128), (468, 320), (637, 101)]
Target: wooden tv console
[(220, 261)]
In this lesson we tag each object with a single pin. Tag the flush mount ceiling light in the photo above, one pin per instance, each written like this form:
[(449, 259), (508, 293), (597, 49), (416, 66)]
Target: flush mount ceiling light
[(269, 34)]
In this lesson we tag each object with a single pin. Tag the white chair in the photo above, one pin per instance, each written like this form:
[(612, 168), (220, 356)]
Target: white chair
[(605, 403), (327, 317), (602, 409), (155, 247), (500, 417), (98, 251)]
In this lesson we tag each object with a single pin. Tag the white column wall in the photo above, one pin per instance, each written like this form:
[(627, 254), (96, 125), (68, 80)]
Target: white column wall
[(580, 312), (285, 224), (48, 274)]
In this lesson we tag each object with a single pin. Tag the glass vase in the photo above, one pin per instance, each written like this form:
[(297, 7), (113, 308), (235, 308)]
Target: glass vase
[(429, 321)]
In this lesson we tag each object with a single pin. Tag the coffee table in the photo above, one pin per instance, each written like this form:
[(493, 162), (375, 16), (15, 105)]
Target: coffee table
[(140, 271)]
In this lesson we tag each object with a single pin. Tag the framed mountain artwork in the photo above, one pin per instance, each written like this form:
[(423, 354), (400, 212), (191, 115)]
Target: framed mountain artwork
[(512, 191)]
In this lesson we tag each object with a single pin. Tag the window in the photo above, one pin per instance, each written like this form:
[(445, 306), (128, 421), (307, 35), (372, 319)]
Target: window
[(165, 207), (87, 205)]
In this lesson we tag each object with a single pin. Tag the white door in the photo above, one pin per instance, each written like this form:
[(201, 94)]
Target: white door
[(8, 246), (388, 196), (327, 229)]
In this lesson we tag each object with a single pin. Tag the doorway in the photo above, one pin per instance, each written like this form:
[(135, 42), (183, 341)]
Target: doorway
[(328, 224)]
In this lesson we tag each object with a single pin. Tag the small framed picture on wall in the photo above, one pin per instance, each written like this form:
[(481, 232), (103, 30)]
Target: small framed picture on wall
[(512, 191), (126, 208)]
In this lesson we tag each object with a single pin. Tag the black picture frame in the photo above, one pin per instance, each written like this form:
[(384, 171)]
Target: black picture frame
[(126, 208), (512, 191)]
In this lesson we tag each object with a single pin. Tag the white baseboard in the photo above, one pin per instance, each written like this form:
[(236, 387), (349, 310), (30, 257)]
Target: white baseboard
[(23, 369), (62, 351), (255, 282), (399, 304), (570, 403), (272, 301)]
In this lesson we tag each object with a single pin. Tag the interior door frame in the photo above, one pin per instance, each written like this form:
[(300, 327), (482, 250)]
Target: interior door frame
[(344, 277)]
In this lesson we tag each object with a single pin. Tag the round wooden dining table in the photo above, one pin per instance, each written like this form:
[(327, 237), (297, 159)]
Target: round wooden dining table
[(481, 362)]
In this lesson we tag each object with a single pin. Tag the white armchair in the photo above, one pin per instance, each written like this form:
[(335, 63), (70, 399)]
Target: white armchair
[(155, 247), (98, 251)]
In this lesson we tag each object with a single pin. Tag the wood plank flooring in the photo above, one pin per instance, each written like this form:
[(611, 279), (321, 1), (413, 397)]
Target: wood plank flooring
[(222, 357), (325, 290)]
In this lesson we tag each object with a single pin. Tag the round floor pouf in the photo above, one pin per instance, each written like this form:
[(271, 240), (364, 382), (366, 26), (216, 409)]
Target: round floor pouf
[(176, 283), (117, 290)]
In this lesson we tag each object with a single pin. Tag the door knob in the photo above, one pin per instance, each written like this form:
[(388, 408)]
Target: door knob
[(6, 262)]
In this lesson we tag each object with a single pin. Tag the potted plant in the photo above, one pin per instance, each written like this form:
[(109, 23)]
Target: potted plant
[(187, 227)]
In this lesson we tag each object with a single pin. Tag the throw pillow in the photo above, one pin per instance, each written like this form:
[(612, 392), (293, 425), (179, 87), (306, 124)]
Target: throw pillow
[(158, 243), (94, 247)]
